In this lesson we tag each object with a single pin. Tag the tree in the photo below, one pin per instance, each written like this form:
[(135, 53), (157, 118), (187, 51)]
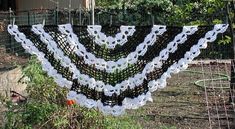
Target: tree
[(171, 12)]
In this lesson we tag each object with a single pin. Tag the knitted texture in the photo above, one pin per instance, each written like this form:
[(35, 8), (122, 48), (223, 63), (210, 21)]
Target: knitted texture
[(113, 68)]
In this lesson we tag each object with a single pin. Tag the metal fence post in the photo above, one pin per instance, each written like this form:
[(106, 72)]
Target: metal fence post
[(80, 14), (56, 16), (8, 45), (69, 11), (124, 10), (34, 18), (93, 11), (232, 81), (28, 18)]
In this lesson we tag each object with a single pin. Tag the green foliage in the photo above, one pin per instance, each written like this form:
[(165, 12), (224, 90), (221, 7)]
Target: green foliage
[(34, 72), (191, 12), (46, 108), (177, 13), (147, 4), (11, 116), (111, 4), (167, 127), (121, 123), (35, 112), (226, 40), (180, 12), (41, 87)]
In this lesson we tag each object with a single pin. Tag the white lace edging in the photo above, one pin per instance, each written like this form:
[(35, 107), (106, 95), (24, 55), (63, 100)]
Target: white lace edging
[(129, 103), (110, 42), (111, 66), (188, 57), (131, 82), (46, 65)]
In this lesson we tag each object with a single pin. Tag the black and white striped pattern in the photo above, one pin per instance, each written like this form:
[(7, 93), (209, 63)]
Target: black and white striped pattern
[(119, 77)]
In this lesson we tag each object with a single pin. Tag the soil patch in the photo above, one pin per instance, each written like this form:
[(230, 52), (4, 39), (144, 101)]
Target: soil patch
[(184, 105), (9, 61)]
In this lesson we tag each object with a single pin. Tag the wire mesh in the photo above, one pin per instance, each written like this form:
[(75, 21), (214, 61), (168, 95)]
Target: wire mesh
[(217, 92), (83, 17), (196, 98)]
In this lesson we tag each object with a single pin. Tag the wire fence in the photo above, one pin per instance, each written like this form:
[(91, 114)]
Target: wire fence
[(215, 50), (195, 98), (209, 99)]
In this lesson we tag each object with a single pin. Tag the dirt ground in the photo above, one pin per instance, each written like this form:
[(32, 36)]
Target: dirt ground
[(8, 60), (184, 105)]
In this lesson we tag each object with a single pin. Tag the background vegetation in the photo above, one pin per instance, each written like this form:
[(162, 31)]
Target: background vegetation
[(171, 12), (46, 108), (46, 105)]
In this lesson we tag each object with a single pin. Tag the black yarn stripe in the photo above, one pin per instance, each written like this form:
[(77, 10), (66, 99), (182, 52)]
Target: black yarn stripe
[(141, 89), (109, 100), (79, 63), (113, 78), (64, 71), (117, 77), (111, 54), (108, 78), (153, 75), (90, 93), (110, 30), (161, 43), (182, 49)]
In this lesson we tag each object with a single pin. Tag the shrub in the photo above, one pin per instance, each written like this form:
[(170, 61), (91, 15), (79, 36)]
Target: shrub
[(46, 107)]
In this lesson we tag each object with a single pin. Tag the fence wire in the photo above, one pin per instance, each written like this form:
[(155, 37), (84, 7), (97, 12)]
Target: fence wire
[(214, 50), (208, 101)]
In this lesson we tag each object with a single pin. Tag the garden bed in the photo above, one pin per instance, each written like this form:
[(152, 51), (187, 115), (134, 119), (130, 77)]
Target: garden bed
[(182, 104), (9, 61)]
